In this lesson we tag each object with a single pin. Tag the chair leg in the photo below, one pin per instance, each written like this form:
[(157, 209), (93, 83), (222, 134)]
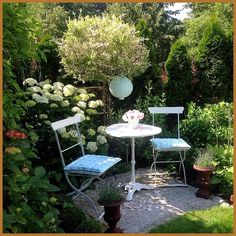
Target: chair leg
[(84, 185), (182, 158)]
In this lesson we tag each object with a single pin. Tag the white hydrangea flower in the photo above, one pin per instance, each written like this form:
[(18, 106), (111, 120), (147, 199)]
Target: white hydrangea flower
[(39, 99), (92, 104), (92, 146), (87, 118), (65, 135), (101, 139), (56, 86), (82, 91), (43, 116), (65, 103), (73, 133), (47, 86), (99, 103), (61, 130), (56, 98), (30, 82), (91, 132), (47, 122), (101, 129), (82, 117), (35, 89), (84, 97), (75, 109), (91, 111), (30, 103), (68, 90), (59, 84), (47, 81), (48, 95), (58, 92), (82, 104), (53, 105)]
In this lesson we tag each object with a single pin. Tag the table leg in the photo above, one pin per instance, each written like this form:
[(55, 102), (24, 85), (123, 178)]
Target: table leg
[(133, 186)]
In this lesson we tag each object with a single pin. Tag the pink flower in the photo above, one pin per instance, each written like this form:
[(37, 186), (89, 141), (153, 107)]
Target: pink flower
[(133, 114)]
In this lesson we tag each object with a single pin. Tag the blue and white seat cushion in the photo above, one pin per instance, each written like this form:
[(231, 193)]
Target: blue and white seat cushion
[(92, 164), (169, 144)]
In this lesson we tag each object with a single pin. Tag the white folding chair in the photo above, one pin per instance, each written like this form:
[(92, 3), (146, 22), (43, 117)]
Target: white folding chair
[(169, 144), (90, 166)]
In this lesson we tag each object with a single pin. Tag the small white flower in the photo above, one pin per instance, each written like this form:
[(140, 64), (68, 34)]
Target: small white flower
[(30, 103), (34, 89), (39, 99), (47, 122), (99, 103), (92, 104), (84, 97), (58, 93), (101, 130), (53, 105), (48, 95), (65, 103), (101, 139), (92, 146), (91, 132), (73, 133), (82, 104), (47, 86), (65, 135), (68, 90), (75, 109), (56, 98), (59, 84), (82, 91), (43, 116), (30, 82)]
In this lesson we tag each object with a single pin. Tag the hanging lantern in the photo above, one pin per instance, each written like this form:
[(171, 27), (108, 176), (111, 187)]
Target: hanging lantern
[(120, 87)]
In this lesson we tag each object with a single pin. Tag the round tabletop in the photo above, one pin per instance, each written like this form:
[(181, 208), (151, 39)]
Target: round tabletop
[(123, 130)]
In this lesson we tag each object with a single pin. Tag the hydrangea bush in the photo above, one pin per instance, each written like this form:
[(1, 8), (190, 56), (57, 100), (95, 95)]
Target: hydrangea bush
[(48, 102)]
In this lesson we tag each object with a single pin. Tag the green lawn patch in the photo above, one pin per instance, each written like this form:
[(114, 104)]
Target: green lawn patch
[(213, 220)]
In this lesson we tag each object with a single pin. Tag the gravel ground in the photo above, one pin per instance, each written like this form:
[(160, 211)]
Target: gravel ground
[(152, 207)]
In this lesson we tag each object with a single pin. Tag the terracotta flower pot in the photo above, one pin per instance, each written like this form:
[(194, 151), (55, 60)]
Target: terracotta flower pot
[(203, 181), (112, 216)]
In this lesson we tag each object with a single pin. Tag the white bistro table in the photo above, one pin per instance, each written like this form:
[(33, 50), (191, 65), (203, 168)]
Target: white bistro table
[(124, 130)]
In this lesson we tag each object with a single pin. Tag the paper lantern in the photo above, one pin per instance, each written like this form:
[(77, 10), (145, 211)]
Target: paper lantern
[(120, 87)]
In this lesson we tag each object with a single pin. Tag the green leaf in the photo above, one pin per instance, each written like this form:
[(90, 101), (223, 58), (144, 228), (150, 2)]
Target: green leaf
[(40, 171)]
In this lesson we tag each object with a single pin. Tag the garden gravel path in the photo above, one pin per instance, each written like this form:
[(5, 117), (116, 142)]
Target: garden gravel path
[(152, 207)]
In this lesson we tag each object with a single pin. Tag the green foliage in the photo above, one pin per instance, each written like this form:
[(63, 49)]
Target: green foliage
[(27, 205), (209, 125), (109, 195), (97, 48), (50, 17), (204, 159), (223, 174), (213, 220), (48, 102), (178, 66), (160, 31), (90, 226), (212, 61)]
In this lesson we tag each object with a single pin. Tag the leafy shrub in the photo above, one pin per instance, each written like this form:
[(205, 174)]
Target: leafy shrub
[(90, 226), (215, 73), (48, 102), (71, 217), (179, 73), (27, 205), (97, 48), (223, 174), (209, 125), (109, 195)]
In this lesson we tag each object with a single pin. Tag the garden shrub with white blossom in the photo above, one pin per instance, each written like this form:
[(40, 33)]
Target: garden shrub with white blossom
[(98, 48), (48, 102)]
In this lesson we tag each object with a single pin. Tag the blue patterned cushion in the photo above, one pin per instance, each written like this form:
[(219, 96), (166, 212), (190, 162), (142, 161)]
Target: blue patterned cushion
[(169, 144), (92, 164)]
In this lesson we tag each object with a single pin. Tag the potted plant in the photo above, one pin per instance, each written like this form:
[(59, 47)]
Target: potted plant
[(111, 199), (204, 166)]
